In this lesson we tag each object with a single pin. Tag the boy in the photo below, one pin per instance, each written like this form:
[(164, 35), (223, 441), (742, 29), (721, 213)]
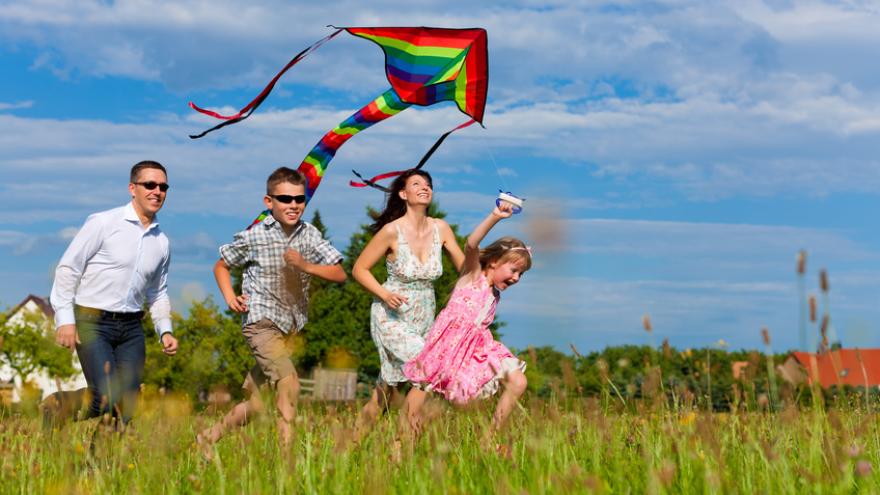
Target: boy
[(279, 255)]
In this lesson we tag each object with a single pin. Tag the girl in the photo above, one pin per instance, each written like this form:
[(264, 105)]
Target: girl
[(460, 359), (403, 310)]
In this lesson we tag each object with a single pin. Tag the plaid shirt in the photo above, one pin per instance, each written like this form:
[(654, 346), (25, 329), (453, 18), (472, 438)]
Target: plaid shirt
[(276, 291)]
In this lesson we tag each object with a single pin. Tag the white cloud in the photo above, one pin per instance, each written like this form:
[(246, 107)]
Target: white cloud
[(26, 243), (192, 292), (11, 238), (804, 20), (16, 106), (68, 233), (657, 101), (697, 248), (705, 96)]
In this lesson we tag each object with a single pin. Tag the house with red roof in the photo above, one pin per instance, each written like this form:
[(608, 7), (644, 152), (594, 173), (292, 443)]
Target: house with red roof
[(840, 367)]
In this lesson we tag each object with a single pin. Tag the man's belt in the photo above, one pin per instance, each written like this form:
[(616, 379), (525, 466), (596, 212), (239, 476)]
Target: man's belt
[(95, 313)]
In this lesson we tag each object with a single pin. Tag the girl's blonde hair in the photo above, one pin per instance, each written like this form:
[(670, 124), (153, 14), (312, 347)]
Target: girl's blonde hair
[(506, 249)]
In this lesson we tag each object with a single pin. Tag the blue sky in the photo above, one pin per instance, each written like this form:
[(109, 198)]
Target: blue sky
[(675, 155)]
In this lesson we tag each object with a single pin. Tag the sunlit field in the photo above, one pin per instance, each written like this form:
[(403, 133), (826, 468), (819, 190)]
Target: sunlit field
[(628, 419), (554, 445)]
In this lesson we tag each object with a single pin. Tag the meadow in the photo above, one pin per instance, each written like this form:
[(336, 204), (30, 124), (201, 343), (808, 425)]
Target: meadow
[(555, 445), (628, 419)]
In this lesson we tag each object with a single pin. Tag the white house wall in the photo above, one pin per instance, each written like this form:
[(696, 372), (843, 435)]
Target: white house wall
[(41, 379)]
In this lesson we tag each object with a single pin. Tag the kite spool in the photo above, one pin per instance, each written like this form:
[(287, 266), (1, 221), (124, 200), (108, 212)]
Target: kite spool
[(508, 197)]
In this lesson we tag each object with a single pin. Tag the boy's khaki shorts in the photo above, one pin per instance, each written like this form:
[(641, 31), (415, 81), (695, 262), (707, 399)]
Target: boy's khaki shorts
[(271, 348)]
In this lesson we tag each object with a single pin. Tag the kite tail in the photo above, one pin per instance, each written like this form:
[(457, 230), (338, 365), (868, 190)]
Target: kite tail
[(262, 216), (373, 182), (256, 102), (315, 163)]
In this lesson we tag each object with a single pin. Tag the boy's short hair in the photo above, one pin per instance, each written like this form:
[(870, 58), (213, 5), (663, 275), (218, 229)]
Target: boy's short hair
[(136, 169), (284, 174)]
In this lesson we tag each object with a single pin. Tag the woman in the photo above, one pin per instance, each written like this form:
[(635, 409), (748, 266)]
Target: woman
[(403, 311)]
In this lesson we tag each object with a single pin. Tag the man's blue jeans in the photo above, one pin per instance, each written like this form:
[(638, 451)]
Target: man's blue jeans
[(112, 353)]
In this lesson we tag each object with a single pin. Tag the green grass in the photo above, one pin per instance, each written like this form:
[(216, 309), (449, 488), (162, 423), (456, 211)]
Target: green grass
[(574, 446)]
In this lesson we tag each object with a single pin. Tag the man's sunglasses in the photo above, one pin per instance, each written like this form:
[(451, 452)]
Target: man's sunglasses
[(287, 199), (149, 186)]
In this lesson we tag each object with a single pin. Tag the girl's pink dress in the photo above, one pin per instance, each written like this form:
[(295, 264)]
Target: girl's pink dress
[(460, 359)]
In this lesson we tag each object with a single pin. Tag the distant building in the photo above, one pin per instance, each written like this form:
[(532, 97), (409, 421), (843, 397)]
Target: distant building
[(10, 384), (853, 367)]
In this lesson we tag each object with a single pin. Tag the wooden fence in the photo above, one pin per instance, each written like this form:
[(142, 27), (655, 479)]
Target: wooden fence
[(330, 384)]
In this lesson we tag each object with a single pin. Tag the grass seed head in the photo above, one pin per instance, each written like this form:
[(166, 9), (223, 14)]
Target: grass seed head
[(568, 378), (603, 368), (666, 473), (823, 281), (813, 311), (594, 484), (646, 323), (533, 356), (801, 262), (765, 336), (763, 401), (854, 450)]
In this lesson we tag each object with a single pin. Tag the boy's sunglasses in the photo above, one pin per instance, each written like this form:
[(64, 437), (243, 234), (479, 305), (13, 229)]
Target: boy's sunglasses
[(287, 199), (149, 186)]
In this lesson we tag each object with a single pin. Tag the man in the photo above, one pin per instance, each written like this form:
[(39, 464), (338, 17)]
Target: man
[(117, 261)]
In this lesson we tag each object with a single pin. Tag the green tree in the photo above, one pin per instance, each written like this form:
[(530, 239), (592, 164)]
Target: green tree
[(212, 352), (543, 368), (28, 345), (339, 315)]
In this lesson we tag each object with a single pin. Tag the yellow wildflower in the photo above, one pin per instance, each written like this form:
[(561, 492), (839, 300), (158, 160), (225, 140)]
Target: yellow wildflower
[(687, 419)]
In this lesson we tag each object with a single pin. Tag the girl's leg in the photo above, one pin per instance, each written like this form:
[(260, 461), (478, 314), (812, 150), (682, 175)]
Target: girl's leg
[(514, 386), (411, 415), (378, 403)]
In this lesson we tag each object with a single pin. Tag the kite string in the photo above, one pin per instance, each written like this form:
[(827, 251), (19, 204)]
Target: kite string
[(497, 170)]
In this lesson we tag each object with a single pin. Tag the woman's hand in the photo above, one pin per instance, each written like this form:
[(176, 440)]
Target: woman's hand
[(394, 301)]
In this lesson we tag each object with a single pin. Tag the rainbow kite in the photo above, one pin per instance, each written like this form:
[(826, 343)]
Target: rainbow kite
[(424, 66)]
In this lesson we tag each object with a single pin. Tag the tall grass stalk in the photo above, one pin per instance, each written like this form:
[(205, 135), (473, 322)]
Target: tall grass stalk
[(802, 299), (771, 372)]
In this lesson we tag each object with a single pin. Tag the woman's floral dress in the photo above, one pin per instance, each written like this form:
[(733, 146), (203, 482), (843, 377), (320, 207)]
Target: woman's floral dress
[(400, 334)]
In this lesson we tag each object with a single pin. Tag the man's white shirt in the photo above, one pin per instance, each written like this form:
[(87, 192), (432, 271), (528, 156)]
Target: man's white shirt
[(115, 264)]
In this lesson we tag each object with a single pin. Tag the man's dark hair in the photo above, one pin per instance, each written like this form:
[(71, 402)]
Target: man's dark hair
[(136, 169), (284, 174)]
